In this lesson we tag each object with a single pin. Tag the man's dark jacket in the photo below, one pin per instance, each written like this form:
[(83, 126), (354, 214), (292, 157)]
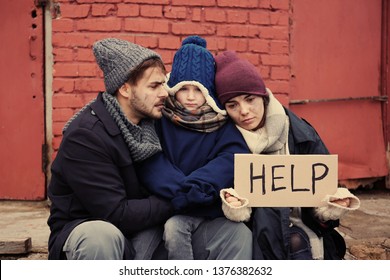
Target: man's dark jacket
[(93, 178), (271, 225)]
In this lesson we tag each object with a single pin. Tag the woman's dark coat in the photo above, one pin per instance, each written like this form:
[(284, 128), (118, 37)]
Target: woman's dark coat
[(271, 225)]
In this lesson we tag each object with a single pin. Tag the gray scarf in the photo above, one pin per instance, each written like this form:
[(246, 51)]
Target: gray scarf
[(141, 139)]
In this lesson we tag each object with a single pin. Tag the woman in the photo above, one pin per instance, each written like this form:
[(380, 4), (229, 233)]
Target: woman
[(269, 128)]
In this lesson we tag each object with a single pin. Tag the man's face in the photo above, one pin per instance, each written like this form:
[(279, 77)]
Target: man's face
[(148, 96)]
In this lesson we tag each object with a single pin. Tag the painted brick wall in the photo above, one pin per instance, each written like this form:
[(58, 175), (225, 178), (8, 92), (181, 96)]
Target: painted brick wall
[(257, 29)]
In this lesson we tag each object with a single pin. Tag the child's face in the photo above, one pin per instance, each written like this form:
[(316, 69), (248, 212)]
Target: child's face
[(190, 97)]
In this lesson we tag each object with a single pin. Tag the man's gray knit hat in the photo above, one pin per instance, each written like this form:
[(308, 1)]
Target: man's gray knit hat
[(117, 58)]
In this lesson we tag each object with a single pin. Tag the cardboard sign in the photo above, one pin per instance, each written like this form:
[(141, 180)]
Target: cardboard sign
[(285, 180)]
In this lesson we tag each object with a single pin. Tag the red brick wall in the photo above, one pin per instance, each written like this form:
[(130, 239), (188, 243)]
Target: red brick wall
[(257, 29)]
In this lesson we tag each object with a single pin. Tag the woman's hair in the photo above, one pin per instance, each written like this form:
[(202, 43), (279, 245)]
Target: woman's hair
[(138, 71)]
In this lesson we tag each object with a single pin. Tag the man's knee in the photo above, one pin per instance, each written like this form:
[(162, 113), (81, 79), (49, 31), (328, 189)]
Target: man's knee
[(95, 240)]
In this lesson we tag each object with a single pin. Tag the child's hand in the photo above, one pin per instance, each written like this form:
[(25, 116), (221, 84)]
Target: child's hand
[(232, 200)]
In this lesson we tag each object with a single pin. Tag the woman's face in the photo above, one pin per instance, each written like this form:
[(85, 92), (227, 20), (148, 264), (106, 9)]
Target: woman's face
[(246, 111)]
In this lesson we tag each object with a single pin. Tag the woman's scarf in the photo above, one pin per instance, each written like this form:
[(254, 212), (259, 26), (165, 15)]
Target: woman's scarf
[(204, 119)]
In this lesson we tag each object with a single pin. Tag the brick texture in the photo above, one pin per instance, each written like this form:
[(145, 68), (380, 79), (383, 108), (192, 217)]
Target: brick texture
[(258, 30)]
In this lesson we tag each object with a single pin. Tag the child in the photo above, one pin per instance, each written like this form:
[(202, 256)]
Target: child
[(199, 143)]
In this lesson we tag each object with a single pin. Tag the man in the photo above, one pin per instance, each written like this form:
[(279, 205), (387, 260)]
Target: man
[(99, 209)]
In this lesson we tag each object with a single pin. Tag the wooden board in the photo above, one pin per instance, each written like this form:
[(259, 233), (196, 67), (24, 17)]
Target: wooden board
[(14, 246)]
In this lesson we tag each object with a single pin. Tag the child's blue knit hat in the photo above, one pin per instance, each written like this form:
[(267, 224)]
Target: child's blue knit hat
[(194, 65)]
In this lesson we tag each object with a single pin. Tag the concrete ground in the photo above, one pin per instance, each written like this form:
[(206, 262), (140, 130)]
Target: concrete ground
[(366, 231)]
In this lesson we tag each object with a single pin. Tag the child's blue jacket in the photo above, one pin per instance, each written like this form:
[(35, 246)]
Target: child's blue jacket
[(193, 167)]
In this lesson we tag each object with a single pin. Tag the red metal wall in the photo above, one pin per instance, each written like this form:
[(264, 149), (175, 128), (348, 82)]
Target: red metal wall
[(21, 101), (336, 65)]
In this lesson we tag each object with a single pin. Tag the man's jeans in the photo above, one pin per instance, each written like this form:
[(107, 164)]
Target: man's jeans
[(95, 240)]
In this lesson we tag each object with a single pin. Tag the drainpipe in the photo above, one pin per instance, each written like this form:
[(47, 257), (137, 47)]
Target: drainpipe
[(47, 151)]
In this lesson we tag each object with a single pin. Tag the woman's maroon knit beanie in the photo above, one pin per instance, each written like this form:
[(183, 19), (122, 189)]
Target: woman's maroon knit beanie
[(235, 76)]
